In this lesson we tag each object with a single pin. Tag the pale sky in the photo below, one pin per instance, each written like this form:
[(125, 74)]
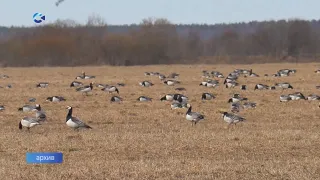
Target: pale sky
[(20, 12)]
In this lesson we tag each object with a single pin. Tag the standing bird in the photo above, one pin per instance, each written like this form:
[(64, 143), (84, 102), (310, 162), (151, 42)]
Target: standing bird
[(75, 122), (231, 118), (284, 85), (146, 83), (55, 99), (194, 117), (28, 122), (85, 89), (40, 115)]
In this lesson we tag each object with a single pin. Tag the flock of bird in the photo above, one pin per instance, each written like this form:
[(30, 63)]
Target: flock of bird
[(237, 102)]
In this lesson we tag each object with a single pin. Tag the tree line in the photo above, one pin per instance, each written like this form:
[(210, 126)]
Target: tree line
[(157, 41)]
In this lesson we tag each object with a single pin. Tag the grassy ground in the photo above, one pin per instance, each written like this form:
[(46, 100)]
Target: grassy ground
[(141, 140)]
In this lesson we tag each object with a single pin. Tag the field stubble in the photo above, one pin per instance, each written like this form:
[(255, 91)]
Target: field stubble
[(148, 140)]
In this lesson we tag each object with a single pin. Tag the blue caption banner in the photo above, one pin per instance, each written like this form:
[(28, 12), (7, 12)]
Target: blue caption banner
[(44, 157)]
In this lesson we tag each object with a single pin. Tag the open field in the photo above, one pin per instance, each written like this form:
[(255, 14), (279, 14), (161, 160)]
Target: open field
[(148, 140)]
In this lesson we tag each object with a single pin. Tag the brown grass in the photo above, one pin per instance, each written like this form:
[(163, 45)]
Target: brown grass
[(137, 140)]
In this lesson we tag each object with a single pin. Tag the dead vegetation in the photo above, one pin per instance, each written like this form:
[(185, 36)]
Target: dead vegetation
[(137, 140)]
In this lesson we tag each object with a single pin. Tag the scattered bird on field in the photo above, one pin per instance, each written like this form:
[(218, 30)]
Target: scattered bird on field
[(232, 118), (42, 85), (317, 71), (194, 117), (40, 115), (162, 77), (261, 87), (236, 98), (248, 105), (84, 76), (285, 98), (146, 83), (110, 89), (313, 97), (231, 84), (76, 84), (9, 86), (180, 89), (272, 88), (171, 82), (147, 74), (207, 96), (28, 122), (27, 108), (167, 97), (32, 99), (209, 83), (177, 105), (317, 87), (180, 98), (116, 99), (251, 74), (55, 98), (266, 75), (2, 108), (85, 89), (173, 75), (120, 84), (243, 87), (235, 107), (217, 74), (75, 122), (101, 85), (297, 96), (144, 98), (284, 85), (3, 76)]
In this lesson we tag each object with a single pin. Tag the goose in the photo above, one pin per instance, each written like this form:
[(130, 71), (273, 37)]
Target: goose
[(167, 97), (9, 86), (28, 122), (27, 108), (146, 73), (55, 98), (284, 85), (209, 83), (116, 99), (313, 97), (110, 89), (194, 117), (266, 75), (272, 88), (85, 89), (40, 115), (173, 75), (232, 118), (3, 76), (42, 85), (171, 82), (146, 83), (144, 98), (285, 98), (235, 107), (297, 96), (75, 122), (227, 80), (205, 74), (217, 74), (317, 87), (180, 89), (231, 84), (207, 96), (32, 99), (261, 87), (180, 98), (84, 76), (243, 87), (248, 105), (76, 84), (253, 75), (162, 77), (177, 105), (236, 98), (317, 71), (120, 84), (2, 108), (101, 85)]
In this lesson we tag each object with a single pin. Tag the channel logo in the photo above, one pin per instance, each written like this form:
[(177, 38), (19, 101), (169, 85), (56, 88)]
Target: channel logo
[(44, 157), (38, 18)]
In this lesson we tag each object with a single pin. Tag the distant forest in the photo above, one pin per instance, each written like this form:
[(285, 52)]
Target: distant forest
[(157, 41)]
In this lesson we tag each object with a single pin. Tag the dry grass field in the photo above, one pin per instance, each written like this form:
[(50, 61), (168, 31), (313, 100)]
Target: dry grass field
[(148, 140)]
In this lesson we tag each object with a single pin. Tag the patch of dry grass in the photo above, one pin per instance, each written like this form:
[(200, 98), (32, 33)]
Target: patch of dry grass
[(137, 140)]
